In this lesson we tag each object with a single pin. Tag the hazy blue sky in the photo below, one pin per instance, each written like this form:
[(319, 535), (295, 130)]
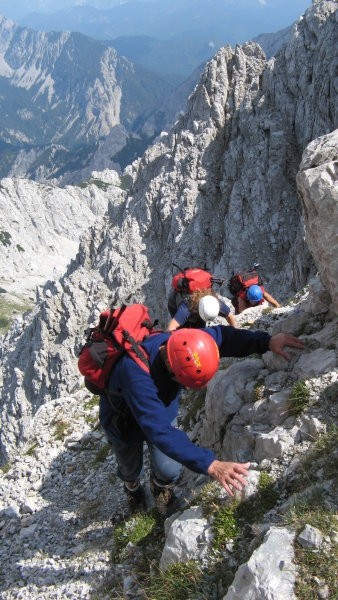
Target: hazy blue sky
[(290, 9)]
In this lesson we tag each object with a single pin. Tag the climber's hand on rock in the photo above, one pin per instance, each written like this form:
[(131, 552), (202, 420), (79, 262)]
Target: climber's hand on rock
[(280, 340), (229, 474)]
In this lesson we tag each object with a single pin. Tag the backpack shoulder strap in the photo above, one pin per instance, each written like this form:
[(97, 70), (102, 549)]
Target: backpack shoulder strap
[(135, 351)]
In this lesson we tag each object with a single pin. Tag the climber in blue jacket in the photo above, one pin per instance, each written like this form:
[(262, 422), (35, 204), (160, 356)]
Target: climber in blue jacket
[(142, 407)]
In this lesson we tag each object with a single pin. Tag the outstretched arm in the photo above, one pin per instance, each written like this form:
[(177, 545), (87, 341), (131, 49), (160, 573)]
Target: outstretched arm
[(229, 474), (243, 342), (271, 300)]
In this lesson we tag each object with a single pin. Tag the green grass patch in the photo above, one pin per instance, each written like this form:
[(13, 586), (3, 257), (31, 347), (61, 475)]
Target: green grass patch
[(230, 521), (61, 429), (299, 398), (317, 567), (258, 392), (326, 451), (92, 421), (31, 450), (6, 467), (134, 530), (189, 580), (179, 582), (226, 525), (102, 185), (267, 494), (9, 310), (92, 417), (102, 454), (209, 498), (93, 402), (254, 508), (267, 310), (321, 461), (312, 512)]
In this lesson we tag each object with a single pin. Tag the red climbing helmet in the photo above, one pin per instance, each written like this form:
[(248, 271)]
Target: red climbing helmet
[(193, 357)]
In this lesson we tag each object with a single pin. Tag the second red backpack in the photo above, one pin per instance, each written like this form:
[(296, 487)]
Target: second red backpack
[(242, 281)]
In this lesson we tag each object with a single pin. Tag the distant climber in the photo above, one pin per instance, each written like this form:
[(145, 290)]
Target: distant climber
[(189, 286), (196, 309), (247, 290)]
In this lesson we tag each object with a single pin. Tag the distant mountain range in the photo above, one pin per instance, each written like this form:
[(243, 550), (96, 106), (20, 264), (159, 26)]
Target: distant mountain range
[(175, 59), (63, 93), (164, 57), (169, 37), (71, 104), (224, 21)]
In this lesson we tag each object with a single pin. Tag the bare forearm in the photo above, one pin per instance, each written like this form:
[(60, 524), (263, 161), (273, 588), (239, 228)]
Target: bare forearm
[(231, 320), (173, 324), (271, 300)]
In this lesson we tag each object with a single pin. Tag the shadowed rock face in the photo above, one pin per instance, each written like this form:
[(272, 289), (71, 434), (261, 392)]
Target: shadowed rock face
[(219, 189)]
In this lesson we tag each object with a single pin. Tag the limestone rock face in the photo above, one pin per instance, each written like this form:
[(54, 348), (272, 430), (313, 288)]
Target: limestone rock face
[(188, 538), (270, 573), (318, 189), (41, 227), (220, 187)]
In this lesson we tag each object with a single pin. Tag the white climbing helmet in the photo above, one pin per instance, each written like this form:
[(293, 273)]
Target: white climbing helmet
[(208, 308)]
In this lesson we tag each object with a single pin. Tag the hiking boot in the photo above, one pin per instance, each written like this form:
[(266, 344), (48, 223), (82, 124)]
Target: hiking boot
[(135, 495), (166, 501)]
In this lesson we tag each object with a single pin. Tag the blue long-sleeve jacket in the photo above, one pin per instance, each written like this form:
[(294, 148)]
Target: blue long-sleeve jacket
[(152, 398)]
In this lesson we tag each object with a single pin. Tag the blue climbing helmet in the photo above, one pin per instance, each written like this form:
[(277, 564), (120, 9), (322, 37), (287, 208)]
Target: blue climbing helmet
[(254, 293)]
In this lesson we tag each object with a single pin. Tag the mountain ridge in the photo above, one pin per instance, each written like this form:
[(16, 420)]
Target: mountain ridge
[(73, 92), (57, 126)]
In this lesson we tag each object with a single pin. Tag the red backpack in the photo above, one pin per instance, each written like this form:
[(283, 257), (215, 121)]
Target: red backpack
[(242, 281), (120, 331), (191, 280)]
